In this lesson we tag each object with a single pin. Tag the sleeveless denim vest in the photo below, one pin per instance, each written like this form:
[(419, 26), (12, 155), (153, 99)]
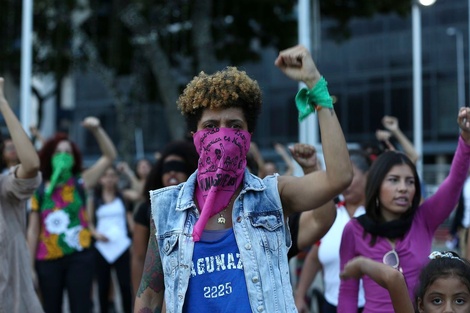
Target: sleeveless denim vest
[(262, 236)]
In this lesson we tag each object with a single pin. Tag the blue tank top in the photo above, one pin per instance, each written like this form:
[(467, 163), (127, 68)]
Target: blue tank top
[(217, 282)]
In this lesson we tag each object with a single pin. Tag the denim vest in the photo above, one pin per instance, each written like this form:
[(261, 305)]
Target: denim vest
[(261, 234)]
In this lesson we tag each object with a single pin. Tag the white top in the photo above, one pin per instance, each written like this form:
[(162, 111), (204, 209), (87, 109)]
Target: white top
[(111, 222), (466, 203), (328, 255)]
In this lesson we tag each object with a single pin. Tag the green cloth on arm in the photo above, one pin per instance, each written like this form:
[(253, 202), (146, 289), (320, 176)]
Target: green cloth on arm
[(306, 100)]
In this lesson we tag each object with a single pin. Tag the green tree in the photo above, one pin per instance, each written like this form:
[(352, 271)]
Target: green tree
[(174, 39)]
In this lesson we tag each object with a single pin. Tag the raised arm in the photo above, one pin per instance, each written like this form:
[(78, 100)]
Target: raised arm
[(384, 275), (133, 193), (391, 124), (315, 189), (309, 271), (384, 137), (150, 296), (29, 160), (281, 150), (108, 151), (440, 205), (125, 169), (254, 150), (315, 223), (36, 135)]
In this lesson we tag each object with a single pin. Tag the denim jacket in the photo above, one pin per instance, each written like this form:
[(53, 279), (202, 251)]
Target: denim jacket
[(261, 234)]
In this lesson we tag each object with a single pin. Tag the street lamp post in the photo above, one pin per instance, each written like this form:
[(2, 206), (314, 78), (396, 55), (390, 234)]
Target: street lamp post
[(417, 86), (308, 130), (417, 81), (452, 31), (26, 64)]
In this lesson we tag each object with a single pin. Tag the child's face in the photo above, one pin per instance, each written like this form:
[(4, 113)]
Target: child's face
[(447, 294)]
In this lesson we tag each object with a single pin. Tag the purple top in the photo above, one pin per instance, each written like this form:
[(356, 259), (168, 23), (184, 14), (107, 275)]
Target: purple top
[(413, 249)]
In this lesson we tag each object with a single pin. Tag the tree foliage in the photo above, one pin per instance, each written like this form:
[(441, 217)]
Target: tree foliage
[(239, 28), (161, 44)]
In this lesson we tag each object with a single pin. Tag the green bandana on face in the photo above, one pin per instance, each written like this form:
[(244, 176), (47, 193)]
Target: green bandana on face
[(62, 164)]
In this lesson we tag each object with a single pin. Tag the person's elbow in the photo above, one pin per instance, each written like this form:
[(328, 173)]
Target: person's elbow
[(28, 169), (342, 181), (111, 156), (34, 165)]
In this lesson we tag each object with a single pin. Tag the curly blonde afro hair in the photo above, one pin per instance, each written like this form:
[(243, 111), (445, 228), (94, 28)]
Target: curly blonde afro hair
[(224, 89)]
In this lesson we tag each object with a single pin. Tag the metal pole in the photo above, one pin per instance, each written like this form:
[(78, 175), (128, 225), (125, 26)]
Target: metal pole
[(417, 87), (452, 31), (316, 30), (308, 130), (460, 68), (26, 64)]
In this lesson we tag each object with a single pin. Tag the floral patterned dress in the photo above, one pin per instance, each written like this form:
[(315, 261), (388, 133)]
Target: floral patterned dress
[(64, 222)]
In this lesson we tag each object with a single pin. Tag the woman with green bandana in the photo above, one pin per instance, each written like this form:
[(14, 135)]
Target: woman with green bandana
[(58, 232)]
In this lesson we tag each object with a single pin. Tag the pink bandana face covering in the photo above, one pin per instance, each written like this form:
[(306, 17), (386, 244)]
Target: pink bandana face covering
[(222, 161)]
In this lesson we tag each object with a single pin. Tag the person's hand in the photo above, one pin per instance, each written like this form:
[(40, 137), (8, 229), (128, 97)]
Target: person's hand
[(352, 269), (123, 167), (91, 123), (390, 123), (306, 156), (297, 64), (301, 304), (100, 237), (33, 130), (463, 119), (383, 135), (279, 148)]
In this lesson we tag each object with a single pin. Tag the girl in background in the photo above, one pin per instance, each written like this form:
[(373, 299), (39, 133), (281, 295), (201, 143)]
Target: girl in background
[(396, 229), (178, 160), (110, 229), (444, 283), (59, 237)]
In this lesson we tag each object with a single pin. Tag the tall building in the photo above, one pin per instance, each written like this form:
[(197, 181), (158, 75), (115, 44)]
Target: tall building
[(370, 74)]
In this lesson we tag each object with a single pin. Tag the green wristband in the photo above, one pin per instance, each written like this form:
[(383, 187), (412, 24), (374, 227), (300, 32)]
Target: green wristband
[(306, 100)]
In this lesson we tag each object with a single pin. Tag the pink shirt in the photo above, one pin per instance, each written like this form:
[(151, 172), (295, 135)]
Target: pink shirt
[(413, 249)]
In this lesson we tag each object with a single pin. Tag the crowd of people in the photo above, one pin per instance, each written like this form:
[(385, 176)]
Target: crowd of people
[(211, 225)]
